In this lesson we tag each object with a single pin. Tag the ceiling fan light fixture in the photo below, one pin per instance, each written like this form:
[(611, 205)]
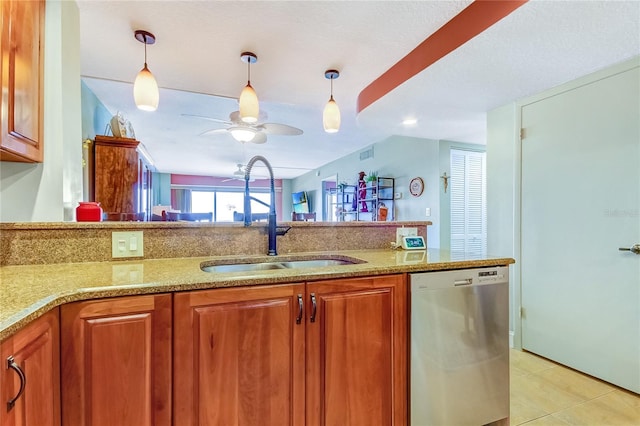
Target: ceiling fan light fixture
[(331, 113), (145, 87), (243, 134), (249, 106)]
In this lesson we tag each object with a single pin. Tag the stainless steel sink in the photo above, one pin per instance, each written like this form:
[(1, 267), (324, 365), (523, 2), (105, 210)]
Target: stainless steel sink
[(243, 267), (280, 263), (316, 263)]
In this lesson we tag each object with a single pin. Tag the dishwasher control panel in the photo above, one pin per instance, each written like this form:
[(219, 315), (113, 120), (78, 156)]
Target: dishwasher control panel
[(461, 278), (491, 276)]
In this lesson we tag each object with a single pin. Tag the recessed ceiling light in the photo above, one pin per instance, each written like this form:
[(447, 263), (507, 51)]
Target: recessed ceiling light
[(409, 121)]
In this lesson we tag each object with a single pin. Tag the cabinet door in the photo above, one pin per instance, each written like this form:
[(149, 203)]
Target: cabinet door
[(356, 352), (116, 362), (116, 170), (35, 350), (21, 72), (239, 356)]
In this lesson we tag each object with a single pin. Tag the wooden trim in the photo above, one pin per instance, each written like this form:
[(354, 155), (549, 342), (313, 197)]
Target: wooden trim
[(113, 141)]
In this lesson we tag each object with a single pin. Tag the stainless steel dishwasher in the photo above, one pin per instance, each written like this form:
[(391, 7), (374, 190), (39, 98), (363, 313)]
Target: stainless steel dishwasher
[(459, 367)]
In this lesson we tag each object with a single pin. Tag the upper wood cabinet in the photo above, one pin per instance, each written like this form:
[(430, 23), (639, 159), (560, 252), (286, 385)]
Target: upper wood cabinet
[(116, 362), (22, 75), (31, 362), (120, 179)]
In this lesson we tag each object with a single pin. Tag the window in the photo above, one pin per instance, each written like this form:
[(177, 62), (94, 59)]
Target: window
[(223, 203), (468, 202)]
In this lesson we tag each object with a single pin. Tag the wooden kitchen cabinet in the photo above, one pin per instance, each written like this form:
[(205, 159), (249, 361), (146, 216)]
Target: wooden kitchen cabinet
[(239, 356), (22, 76), (35, 351), (116, 361), (356, 352), (242, 358)]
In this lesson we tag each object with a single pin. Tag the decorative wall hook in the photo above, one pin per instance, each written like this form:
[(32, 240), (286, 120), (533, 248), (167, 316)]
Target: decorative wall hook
[(446, 181)]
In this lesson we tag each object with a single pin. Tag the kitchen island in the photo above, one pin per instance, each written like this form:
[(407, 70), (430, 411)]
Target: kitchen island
[(158, 341)]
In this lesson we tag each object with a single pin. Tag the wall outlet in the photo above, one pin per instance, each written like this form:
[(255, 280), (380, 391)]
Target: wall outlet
[(405, 232), (127, 244), (427, 212)]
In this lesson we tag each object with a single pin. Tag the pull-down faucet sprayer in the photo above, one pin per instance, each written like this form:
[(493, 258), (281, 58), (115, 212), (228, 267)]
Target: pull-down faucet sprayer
[(273, 229)]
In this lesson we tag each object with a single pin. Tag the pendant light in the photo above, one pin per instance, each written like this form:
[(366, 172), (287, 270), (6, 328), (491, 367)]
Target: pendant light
[(145, 88), (249, 108), (331, 114)]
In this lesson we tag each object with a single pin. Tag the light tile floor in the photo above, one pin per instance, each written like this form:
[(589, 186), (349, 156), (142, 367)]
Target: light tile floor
[(544, 393)]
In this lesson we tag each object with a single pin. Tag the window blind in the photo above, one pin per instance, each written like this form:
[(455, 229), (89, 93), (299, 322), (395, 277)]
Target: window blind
[(468, 202)]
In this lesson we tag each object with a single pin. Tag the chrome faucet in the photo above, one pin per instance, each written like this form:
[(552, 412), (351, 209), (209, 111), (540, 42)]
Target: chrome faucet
[(273, 229)]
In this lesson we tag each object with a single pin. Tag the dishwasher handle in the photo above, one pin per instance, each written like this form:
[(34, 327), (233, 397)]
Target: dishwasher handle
[(466, 281)]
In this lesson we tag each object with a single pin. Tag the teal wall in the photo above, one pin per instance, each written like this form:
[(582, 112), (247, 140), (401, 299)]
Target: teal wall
[(402, 158), (95, 115), (161, 189)]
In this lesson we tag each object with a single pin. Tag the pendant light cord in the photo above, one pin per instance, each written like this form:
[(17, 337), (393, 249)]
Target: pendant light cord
[(145, 50), (249, 71), (331, 79)]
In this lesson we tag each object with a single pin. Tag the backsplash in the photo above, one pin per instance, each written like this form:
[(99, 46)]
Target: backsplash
[(69, 242)]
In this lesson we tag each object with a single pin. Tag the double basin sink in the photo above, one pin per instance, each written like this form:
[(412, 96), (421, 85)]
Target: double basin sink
[(293, 262)]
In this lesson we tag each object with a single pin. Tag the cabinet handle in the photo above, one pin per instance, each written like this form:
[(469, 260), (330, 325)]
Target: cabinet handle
[(314, 307), (11, 364), (300, 307)]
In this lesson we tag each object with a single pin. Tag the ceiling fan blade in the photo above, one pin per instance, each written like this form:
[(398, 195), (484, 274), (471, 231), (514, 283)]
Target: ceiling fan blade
[(260, 137), (213, 132), (280, 129), (234, 117), (217, 120)]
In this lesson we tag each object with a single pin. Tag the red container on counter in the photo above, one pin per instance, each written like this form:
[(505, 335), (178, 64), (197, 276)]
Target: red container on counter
[(89, 211)]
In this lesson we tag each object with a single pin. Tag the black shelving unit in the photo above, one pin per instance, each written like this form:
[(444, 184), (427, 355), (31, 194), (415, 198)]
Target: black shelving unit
[(353, 203)]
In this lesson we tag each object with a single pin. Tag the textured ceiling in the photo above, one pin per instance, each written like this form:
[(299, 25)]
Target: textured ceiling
[(196, 63)]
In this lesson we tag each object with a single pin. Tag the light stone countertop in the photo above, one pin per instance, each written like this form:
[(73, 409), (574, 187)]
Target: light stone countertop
[(29, 291)]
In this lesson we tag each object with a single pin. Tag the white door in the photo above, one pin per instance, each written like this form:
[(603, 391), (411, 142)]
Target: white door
[(580, 203)]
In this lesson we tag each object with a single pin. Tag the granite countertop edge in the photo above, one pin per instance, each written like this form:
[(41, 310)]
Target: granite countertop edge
[(29, 291)]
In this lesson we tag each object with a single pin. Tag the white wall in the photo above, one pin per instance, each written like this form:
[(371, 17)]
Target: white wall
[(503, 178), (49, 191)]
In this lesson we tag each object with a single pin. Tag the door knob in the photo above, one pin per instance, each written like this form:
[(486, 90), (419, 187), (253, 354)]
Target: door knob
[(635, 249)]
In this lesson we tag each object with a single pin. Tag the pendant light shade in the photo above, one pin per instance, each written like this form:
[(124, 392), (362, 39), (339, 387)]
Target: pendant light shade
[(145, 87), (249, 107), (331, 113), (145, 90), (331, 117)]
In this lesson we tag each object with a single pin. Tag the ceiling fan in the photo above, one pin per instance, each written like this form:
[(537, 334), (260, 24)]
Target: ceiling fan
[(239, 174), (249, 132)]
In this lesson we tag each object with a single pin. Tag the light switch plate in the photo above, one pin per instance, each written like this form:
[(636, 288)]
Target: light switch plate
[(127, 244)]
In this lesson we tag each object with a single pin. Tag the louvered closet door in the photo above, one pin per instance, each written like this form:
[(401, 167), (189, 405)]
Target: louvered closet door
[(468, 202)]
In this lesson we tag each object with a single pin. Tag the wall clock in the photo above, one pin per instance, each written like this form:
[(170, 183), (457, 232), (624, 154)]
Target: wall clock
[(416, 186)]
